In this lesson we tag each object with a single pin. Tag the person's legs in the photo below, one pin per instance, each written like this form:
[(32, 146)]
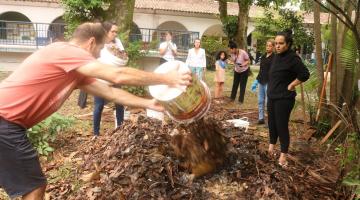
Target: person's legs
[(235, 85), (216, 91), (261, 102), (221, 89), (273, 134), (98, 108), (20, 170), (37, 194), (199, 73), (119, 114), (243, 80), (282, 110)]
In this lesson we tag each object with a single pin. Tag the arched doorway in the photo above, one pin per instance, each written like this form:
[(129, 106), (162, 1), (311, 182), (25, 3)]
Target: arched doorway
[(57, 29), (181, 36), (15, 26), (135, 33)]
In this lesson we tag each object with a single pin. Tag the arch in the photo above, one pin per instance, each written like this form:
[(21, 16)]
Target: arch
[(56, 29), (14, 16), (18, 28), (172, 25), (135, 33), (214, 30)]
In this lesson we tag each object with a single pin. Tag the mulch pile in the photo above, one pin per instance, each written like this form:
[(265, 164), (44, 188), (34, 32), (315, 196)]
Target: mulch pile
[(210, 159)]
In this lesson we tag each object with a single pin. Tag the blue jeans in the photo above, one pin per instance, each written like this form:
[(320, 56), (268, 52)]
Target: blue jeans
[(98, 108), (198, 71), (262, 98)]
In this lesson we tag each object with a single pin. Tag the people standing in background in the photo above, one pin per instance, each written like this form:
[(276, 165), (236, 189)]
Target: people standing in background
[(167, 49), (263, 78), (111, 39), (220, 66), (196, 60), (241, 60), (286, 73)]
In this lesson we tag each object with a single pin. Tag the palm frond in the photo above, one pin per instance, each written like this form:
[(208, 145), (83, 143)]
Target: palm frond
[(349, 54)]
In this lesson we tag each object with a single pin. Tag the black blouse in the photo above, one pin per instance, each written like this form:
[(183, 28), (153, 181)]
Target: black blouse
[(265, 65), (286, 67)]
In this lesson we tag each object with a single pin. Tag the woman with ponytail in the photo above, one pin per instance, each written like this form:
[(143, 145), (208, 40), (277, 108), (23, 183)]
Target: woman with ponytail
[(286, 73)]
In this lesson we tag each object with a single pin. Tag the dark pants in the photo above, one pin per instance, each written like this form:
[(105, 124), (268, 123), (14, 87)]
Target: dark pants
[(20, 170), (239, 79), (279, 114), (98, 108), (162, 60)]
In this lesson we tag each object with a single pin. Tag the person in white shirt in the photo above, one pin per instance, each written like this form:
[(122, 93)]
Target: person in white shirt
[(196, 60), (112, 32), (167, 49)]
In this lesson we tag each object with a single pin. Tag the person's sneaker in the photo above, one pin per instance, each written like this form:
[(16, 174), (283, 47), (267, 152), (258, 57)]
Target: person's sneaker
[(261, 121), (94, 137)]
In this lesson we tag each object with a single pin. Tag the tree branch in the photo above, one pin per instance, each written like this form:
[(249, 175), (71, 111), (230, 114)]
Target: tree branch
[(341, 11), (331, 11)]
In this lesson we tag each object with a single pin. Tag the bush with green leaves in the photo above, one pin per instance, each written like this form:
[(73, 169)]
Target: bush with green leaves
[(44, 132), (212, 46)]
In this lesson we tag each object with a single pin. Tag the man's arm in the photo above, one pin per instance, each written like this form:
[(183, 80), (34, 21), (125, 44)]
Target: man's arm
[(131, 76), (119, 96)]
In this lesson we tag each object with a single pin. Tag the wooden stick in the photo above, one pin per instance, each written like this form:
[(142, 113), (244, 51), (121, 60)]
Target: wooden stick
[(303, 102), (323, 89), (332, 130)]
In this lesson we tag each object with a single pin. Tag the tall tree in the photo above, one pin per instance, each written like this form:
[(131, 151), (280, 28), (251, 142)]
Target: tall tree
[(118, 11), (239, 33), (318, 48)]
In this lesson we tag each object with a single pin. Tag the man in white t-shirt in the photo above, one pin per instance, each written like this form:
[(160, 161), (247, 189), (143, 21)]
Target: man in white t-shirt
[(167, 49)]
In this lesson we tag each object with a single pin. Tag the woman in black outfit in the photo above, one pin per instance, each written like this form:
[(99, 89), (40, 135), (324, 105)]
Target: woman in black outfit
[(286, 73)]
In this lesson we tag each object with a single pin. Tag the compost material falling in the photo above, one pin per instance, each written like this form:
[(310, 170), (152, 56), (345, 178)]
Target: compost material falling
[(200, 145)]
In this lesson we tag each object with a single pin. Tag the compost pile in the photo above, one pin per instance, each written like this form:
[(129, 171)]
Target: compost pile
[(148, 159)]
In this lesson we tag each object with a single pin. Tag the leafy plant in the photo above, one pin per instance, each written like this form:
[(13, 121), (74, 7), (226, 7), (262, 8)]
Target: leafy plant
[(268, 26), (44, 132), (212, 45)]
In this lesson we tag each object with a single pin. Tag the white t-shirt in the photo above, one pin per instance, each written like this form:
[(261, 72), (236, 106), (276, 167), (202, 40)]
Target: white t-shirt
[(196, 60), (169, 56), (105, 59)]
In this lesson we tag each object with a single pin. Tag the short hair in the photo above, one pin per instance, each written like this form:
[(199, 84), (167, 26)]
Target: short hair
[(108, 25), (272, 41), (232, 45), (287, 33), (88, 30), (169, 32), (218, 55)]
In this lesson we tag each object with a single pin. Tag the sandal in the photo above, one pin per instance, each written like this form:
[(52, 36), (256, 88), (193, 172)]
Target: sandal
[(284, 165)]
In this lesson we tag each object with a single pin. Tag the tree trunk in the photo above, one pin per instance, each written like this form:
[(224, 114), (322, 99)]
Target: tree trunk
[(340, 71), (223, 10), (318, 48), (122, 12), (243, 18), (333, 77)]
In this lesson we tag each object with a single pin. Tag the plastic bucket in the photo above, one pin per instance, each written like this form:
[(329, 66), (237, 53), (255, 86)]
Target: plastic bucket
[(186, 104)]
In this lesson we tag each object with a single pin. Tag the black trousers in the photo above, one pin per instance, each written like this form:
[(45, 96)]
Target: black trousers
[(239, 79), (279, 114)]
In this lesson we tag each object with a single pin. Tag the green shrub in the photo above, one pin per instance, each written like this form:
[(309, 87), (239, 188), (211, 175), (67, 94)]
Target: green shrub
[(212, 46), (44, 132)]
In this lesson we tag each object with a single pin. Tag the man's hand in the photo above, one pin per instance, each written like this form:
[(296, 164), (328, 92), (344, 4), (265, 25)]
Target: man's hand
[(179, 78), (155, 105)]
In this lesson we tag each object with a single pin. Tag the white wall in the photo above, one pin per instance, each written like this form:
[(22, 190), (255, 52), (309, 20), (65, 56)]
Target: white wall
[(40, 14)]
